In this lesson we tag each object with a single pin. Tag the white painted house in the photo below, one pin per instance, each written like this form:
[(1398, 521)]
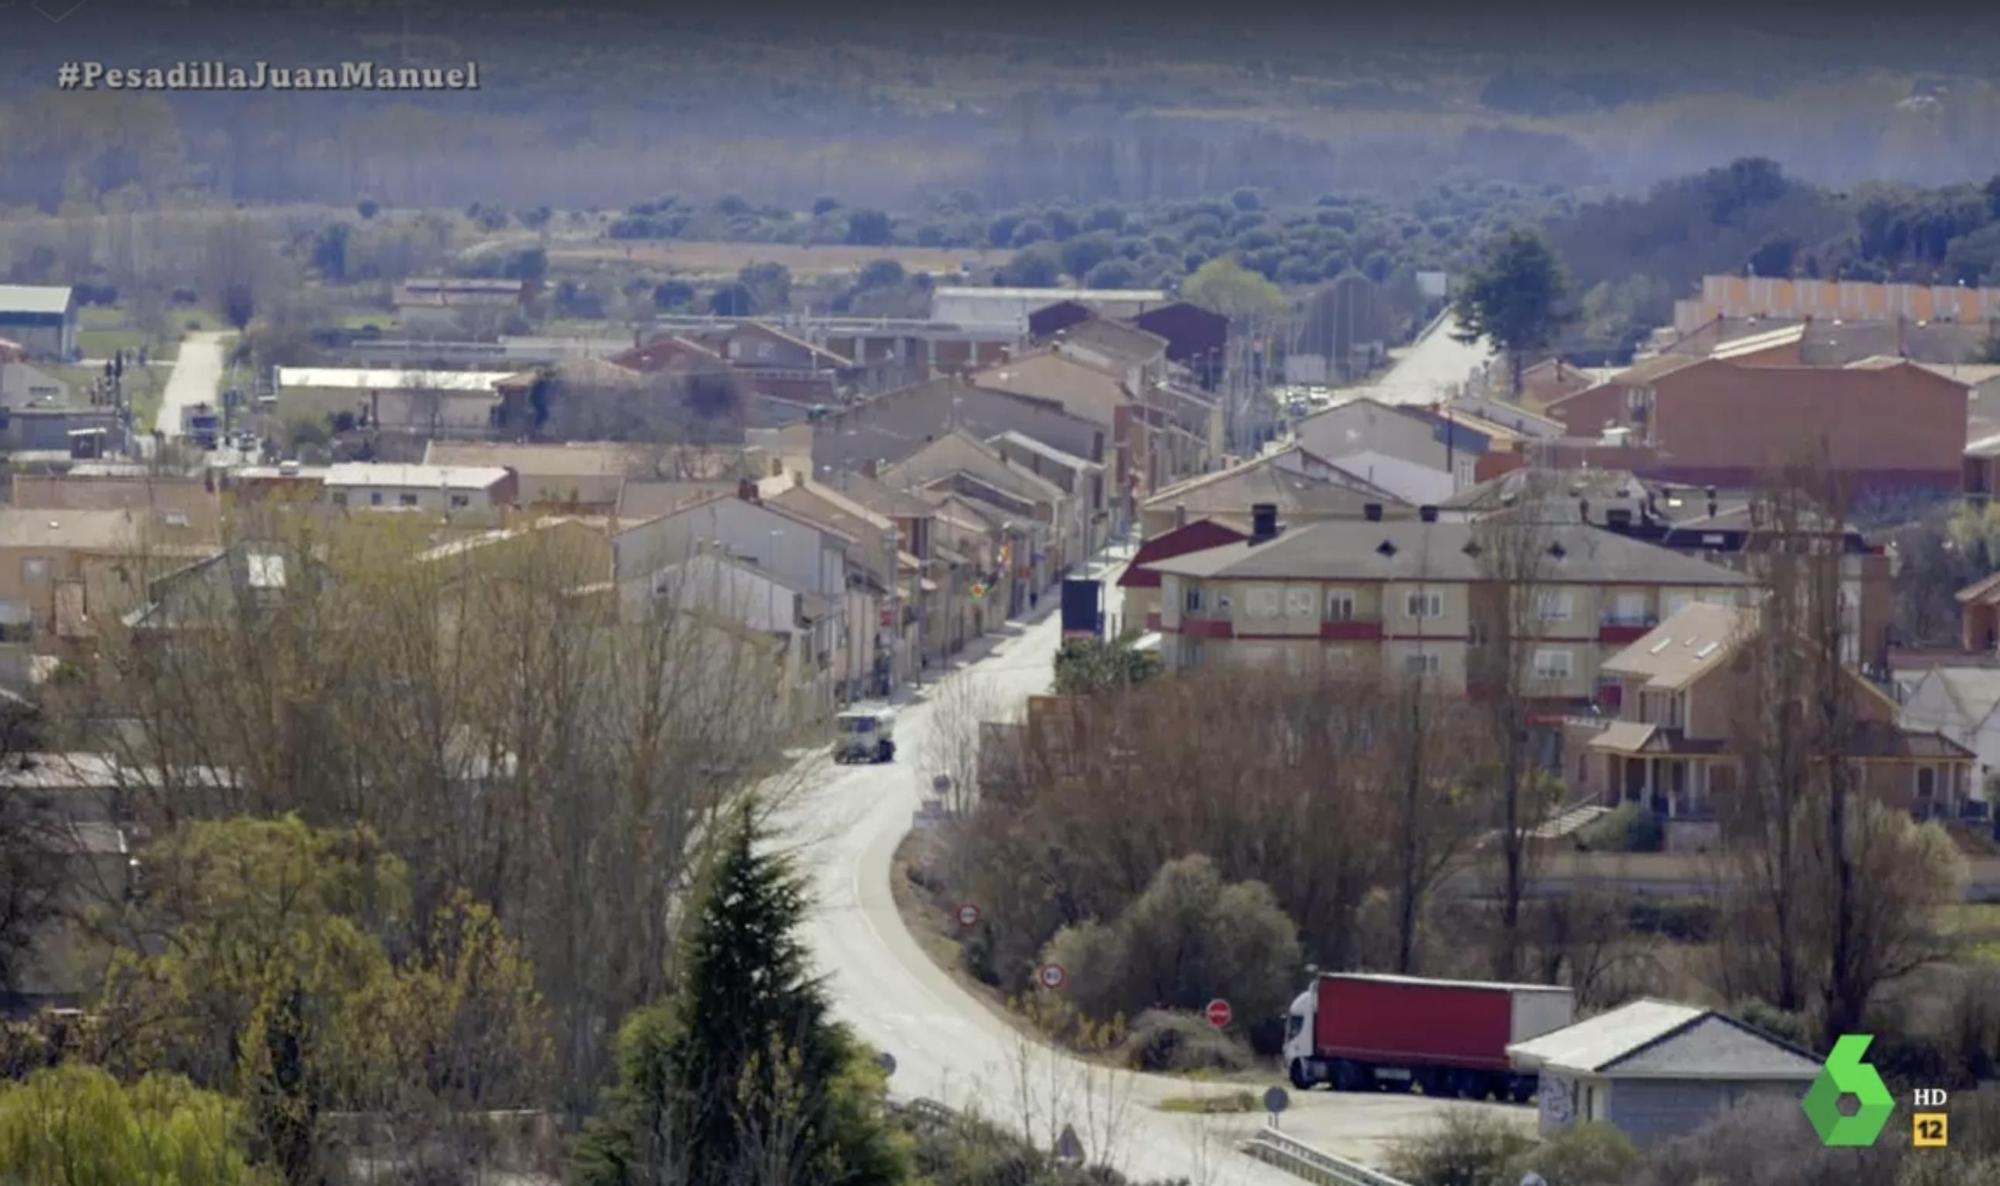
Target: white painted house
[(1656, 1069), (1963, 703)]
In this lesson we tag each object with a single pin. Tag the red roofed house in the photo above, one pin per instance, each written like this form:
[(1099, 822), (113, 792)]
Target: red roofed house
[(1142, 584)]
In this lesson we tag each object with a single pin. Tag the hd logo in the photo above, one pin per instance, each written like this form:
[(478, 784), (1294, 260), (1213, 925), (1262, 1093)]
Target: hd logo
[(1846, 1074)]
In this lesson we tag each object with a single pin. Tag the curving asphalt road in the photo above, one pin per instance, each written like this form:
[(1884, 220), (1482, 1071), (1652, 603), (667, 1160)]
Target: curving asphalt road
[(950, 1047)]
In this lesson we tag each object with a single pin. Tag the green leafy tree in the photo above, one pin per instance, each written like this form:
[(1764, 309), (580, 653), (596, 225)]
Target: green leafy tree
[(75, 1125), (271, 984), (1033, 267), (732, 300), (1189, 938), (1517, 297), (770, 285), (869, 228), (1086, 666), (742, 1076), (1224, 286)]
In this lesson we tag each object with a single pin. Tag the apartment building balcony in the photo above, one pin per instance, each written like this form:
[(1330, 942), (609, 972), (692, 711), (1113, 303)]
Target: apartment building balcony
[(1351, 630), (1193, 627), (1621, 629)]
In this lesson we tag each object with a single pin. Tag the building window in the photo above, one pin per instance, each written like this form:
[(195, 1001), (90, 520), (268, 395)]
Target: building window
[(461, 500), (374, 498), (1340, 605), (1192, 604), (1264, 601), (177, 519), (1424, 605), (35, 568), (1299, 601), (1420, 663), (340, 498), (1553, 664), (1554, 605), (1926, 782), (408, 500)]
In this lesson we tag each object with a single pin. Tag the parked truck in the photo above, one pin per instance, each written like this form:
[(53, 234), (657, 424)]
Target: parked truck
[(1361, 1032), (201, 424)]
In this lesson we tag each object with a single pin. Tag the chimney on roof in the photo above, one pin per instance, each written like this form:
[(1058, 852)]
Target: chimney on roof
[(1427, 513), (1372, 511), (1180, 515), (798, 478), (777, 467), (1263, 522), (746, 490)]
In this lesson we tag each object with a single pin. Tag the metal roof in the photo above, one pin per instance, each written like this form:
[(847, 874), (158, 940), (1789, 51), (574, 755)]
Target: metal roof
[(390, 379), (1651, 1039), (371, 473), (1053, 295), (1391, 978), (34, 298), (1605, 1038)]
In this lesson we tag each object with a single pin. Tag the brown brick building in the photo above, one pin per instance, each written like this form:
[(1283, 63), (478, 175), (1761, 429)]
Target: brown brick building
[(1885, 424)]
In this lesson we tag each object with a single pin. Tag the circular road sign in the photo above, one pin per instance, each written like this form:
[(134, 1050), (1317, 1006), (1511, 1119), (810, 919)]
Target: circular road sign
[(1277, 1099), (968, 915), (1218, 1013), (1051, 976), (978, 591)]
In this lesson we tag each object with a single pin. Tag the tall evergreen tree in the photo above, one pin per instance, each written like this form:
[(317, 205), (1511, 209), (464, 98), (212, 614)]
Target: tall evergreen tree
[(1518, 297), (741, 1077)]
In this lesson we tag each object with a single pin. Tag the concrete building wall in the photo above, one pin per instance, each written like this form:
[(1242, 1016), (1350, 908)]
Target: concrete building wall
[(1365, 426), (794, 551), (1653, 1110), (44, 337)]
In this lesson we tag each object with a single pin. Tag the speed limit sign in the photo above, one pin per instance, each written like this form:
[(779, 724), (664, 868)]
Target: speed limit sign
[(1051, 976)]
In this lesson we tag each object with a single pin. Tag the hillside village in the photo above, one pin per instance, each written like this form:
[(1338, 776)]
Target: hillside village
[(1426, 653)]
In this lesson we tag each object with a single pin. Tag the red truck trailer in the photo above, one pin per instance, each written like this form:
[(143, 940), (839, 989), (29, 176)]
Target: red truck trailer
[(1361, 1032)]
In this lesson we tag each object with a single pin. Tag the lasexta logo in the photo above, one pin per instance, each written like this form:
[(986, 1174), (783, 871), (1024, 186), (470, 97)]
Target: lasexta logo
[(1847, 1074)]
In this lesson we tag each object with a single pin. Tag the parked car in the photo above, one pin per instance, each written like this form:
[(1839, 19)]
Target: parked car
[(864, 736)]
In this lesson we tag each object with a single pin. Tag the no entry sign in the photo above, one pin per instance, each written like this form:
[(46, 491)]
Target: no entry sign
[(1051, 976), (1218, 1013), (968, 915)]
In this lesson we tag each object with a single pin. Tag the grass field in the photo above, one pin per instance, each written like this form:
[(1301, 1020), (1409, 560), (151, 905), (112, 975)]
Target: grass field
[(104, 330), (726, 259), (1977, 925)]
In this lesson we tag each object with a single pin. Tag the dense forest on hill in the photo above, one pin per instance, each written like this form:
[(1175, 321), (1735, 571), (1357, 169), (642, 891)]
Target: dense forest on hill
[(892, 103)]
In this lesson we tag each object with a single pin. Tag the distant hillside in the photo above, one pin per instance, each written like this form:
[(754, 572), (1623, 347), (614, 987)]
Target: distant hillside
[(891, 102)]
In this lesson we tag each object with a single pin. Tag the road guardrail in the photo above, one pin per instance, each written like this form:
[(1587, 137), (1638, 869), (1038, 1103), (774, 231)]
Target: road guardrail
[(1302, 1160)]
